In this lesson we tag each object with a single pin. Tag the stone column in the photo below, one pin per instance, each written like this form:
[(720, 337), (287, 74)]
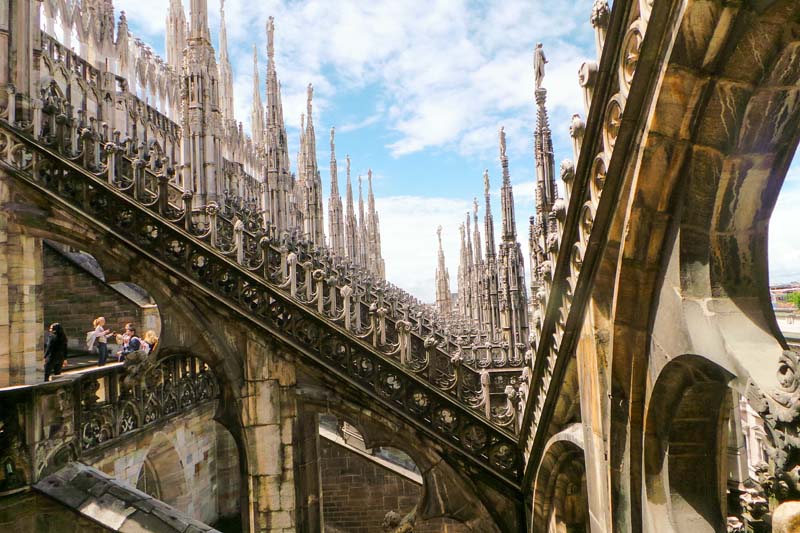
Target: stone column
[(20, 50), (309, 475), (21, 304), (269, 417)]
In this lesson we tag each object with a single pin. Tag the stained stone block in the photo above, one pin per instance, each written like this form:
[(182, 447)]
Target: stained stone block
[(269, 493), (281, 519), (265, 445)]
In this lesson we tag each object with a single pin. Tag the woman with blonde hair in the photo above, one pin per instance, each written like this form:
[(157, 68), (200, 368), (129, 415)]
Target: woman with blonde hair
[(101, 339), (151, 339)]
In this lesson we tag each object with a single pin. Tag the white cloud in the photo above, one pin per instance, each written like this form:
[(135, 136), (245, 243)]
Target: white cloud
[(784, 240), (408, 238), (448, 67), (446, 74)]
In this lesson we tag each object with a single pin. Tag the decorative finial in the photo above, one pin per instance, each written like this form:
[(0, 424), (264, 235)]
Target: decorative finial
[(439, 234), (475, 205), (502, 142), (486, 182), (309, 96), (333, 132), (347, 158)]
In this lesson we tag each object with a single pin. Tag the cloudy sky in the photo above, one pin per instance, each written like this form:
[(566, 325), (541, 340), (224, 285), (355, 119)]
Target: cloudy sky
[(417, 90)]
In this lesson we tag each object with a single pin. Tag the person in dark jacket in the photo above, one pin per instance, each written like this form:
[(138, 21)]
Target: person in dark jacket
[(56, 351), (132, 343)]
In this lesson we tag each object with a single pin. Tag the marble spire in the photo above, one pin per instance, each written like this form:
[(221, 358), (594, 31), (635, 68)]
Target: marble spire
[(335, 222), (257, 109), (225, 71), (443, 296), (351, 224), (175, 34)]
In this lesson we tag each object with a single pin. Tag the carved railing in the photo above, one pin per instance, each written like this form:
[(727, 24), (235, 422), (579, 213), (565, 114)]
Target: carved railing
[(113, 404), (45, 425), (84, 100), (564, 276), (293, 291)]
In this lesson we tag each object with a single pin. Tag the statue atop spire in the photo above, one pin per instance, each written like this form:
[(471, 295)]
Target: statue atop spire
[(502, 142), (271, 37), (539, 61), (309, 97)]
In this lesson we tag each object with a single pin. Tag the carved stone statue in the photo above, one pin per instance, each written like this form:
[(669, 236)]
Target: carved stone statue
[(539, 61), (394, 523)]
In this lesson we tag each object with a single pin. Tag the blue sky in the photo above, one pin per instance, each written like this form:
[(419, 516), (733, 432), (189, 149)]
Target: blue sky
[(417, 91)]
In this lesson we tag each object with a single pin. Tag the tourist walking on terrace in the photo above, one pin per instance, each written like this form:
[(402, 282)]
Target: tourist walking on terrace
[(100, 334), (55, 352)]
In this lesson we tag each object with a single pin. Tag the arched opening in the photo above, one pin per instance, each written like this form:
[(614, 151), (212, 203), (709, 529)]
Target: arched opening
[(685, 447), (77, 291), (560, 496), (374, 487), (227, 481), (162, 475), (148, 480)]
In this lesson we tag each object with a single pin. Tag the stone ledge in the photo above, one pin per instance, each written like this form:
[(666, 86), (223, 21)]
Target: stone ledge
[(112, 504)]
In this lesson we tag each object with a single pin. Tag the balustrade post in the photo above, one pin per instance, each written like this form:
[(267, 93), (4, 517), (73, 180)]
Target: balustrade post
[(373, 322), (211, 211), (86, 143), (95, 143), (307, 281), (163, 194), (319, 281), (36, 103), (112, 150), (404, 340), (332, 281), (291, 260), (12, 104), (186, 198), (458, 371), (138, 178), (238, 239), (357, 308), (265, 256), (382, 325), (486, 379), (347, 293)]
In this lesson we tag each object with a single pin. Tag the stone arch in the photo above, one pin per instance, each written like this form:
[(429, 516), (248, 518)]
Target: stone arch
[(560, 498), (471, 502), (228, 477), (684, 451), (161, 474), (721, 115), (70, 273)]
